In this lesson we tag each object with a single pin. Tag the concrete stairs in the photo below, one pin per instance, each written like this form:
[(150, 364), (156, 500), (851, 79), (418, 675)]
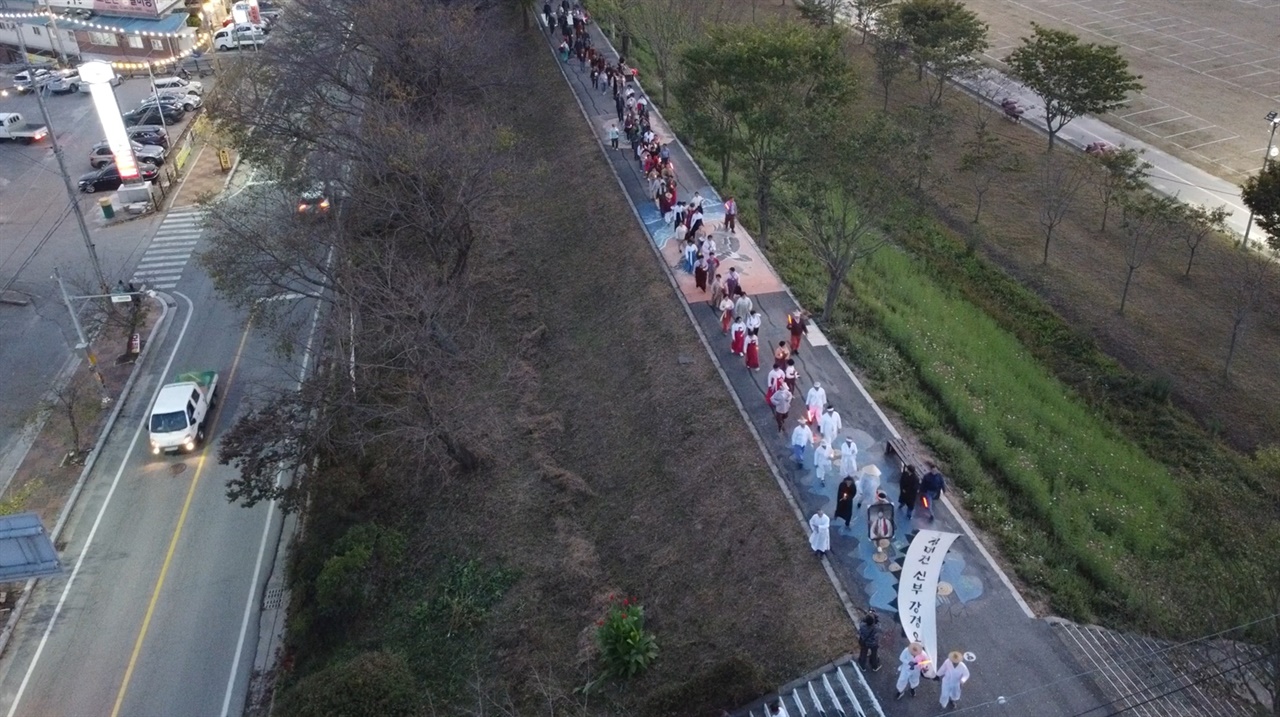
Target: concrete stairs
[(836, 690), (1144, 677)]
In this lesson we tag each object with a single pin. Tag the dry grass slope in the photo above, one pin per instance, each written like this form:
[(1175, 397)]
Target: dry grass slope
[(625, 469)]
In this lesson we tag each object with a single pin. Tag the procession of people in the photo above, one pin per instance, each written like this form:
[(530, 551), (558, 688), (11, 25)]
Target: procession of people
[(817, 428)]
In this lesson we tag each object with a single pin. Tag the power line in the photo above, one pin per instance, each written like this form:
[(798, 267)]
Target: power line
[(1162, 695), (1004, 699)]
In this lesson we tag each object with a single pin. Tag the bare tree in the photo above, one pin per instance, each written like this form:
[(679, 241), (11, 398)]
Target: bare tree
[(923, 127), (1058, 186), (1123, 172), (1148, 221), (665, 27), (869, 14), (398, 114), (985, 159), (77, 405), (1196, 224), (891, 49), (1251, 273), (844, 198)]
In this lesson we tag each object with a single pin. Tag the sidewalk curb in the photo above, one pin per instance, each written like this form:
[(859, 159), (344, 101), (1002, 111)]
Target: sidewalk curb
[(11, 624)]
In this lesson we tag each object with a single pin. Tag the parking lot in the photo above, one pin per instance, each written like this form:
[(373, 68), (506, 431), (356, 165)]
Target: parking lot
[(1209, 66), (38, 234)]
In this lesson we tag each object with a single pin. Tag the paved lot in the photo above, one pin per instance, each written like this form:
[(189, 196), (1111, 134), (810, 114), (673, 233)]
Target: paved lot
[(1211, 68), (37, 234)]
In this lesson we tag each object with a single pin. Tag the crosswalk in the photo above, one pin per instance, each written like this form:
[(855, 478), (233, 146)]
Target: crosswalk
[(171, 248)]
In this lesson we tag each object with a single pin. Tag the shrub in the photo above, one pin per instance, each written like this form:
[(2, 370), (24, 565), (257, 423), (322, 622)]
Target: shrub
[(626, 648), (345, 582), (371, 683)]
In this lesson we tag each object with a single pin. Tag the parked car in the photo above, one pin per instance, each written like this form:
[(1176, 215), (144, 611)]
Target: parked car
[(232, 39), (108, 178), (177, 83), (149, 114), (33, 79), (84, 86), (164, 100), (101, 154), (149, 134), (65, 82), (186, 100)]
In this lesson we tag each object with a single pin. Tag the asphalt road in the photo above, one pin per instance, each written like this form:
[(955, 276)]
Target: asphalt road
[(157, 611), (38, 233)]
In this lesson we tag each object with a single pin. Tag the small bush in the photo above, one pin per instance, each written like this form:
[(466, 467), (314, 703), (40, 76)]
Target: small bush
[(371, 683), (346, 581), (626, 648)]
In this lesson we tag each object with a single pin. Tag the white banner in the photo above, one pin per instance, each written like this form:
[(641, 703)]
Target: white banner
[(918, 588)]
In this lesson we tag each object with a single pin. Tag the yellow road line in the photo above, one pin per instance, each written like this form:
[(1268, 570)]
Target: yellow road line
[(177, 531)]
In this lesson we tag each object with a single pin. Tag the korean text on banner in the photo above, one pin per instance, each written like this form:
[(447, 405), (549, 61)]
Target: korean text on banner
[(918, 588)]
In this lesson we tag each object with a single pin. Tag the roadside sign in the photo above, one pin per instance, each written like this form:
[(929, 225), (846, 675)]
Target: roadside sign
[(121, 298)]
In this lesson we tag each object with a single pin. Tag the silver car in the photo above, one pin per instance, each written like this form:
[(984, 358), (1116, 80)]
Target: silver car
[(151, 154), (188, 101)]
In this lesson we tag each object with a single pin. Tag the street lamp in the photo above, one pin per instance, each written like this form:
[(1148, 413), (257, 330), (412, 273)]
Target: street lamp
[(98, 75), (1273, 118)]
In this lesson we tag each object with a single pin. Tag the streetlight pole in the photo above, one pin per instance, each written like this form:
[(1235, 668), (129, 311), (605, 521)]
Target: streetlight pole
[(73, 195), (1274, 119), (84, 341)]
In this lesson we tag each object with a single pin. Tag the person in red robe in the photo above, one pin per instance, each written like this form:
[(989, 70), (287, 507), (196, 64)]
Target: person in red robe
[(753, 351), (772, 383), (726, 313), (739, 332)]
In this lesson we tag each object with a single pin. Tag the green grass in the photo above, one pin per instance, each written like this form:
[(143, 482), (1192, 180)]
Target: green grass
[(1100, 492)]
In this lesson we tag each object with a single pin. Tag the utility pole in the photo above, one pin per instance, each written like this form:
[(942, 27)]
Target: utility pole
[(1274, 119), (73, 195), (53, 25), (84, 341)]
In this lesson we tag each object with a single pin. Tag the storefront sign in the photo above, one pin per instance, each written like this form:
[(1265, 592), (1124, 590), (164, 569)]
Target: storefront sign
[(918, 588)]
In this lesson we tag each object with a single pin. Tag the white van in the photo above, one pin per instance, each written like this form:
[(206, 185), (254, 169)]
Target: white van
[(232, 39), (177, 83)]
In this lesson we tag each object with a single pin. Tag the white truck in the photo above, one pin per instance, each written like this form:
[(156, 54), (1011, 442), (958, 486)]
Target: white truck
[(181, 410), (13, 127)]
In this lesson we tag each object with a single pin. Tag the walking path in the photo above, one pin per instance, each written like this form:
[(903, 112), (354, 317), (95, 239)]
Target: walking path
[(979, 611)]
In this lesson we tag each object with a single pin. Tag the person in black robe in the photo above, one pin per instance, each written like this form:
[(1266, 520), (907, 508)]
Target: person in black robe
[(908, 489), (844, 500)]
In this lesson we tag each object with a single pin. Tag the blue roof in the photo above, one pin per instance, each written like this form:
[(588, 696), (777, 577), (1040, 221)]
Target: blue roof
[(133, 25)]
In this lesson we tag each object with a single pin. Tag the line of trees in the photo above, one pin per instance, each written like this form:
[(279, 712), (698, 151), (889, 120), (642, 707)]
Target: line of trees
[(396, 116)]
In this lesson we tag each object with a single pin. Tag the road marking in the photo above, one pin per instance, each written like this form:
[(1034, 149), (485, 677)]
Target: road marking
[(266, 529), (97, 521), (160, 262), (177, 531), (171, 247)]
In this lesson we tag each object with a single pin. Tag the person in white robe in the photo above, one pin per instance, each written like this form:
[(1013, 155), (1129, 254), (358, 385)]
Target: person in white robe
[(868, 485), (822, 461), (954, 673), (820, 534), (800, 440), (815, 399), (848, 458), (830, 424), (913, 662)]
